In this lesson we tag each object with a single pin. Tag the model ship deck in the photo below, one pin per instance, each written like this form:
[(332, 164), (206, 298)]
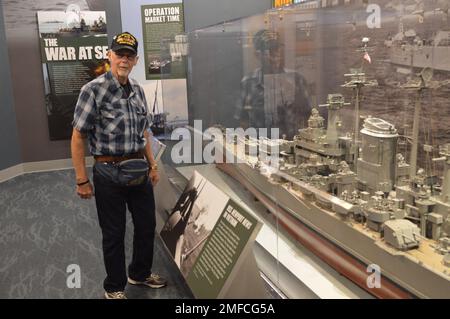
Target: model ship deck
[(425, 254)]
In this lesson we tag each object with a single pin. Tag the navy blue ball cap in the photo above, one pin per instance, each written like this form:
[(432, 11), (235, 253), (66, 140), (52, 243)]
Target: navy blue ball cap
[(124, 41)]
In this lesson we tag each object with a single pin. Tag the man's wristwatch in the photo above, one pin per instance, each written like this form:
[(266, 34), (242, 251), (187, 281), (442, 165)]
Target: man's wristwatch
[(154, 167)]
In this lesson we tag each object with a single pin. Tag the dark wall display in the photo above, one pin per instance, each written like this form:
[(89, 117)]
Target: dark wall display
[(214, 77), (74, 49)]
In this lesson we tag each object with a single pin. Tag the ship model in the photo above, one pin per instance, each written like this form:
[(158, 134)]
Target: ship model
[(353, 200)]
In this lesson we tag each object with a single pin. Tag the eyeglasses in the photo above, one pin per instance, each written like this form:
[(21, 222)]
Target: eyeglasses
[(130, 57)]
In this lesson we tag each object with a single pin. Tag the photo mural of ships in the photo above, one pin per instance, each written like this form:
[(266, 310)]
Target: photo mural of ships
[(361, 202), (409, 50), (79, 27)]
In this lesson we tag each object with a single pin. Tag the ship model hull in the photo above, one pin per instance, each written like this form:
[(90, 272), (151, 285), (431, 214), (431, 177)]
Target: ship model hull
[(308, 208)]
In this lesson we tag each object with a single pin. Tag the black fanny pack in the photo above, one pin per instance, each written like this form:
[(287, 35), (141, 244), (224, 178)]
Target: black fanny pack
[(132, 172)]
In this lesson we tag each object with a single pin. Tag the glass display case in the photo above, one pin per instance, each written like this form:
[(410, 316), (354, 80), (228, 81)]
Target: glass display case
[(334, 113)]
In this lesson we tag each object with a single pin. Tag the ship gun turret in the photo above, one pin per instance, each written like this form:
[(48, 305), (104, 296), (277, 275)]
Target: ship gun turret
[(402, 234)]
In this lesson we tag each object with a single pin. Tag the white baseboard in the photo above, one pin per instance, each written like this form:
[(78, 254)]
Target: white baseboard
[(11, 172), (44, 166)]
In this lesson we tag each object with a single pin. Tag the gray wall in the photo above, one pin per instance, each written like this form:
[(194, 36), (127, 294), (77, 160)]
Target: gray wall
[(202, 13), (113, 18), (26, 70), (9, 141)]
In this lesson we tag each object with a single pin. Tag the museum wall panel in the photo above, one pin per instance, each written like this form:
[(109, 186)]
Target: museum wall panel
[(9, 144)]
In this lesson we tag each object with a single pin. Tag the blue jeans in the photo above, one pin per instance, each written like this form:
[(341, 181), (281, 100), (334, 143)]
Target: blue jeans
[(111, 201)]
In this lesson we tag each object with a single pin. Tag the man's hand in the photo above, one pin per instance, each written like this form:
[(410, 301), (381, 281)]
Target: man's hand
[(154, 176), (85, 191)]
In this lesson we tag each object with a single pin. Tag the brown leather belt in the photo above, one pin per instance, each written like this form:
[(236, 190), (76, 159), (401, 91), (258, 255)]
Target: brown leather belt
[(117, 159)]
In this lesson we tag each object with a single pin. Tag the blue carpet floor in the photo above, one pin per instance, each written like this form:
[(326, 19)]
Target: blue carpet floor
[(45, 228)]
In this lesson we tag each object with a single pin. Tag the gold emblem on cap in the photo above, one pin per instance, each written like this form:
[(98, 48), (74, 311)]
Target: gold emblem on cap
[(126, 39)]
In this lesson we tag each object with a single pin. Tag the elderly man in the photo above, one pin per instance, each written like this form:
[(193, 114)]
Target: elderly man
[(112, 113)]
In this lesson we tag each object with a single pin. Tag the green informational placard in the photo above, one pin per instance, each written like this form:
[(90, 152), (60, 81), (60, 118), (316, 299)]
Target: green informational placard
[(163, 23), (209, 236), (221, 252)]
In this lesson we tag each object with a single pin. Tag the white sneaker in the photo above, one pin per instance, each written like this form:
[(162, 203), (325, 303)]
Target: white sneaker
[(115, 295), (152, 281)]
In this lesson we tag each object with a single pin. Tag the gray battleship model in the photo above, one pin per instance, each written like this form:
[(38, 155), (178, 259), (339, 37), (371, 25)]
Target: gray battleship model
[(360, 195)]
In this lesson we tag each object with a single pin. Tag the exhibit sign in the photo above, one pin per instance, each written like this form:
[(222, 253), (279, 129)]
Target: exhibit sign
[(207, 233), (167, 100), (164, 23), (222, 250), (281, 3), (74, 48)]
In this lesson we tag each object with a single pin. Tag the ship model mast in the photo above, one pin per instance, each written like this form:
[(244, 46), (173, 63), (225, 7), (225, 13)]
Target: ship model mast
[(418, 86), (358, 81), (422, 82)]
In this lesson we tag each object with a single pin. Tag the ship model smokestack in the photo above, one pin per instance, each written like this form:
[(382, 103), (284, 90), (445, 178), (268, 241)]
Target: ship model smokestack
[(377, 164)]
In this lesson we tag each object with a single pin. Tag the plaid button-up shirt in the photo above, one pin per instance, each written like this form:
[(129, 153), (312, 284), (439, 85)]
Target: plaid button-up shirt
[(114, 124)]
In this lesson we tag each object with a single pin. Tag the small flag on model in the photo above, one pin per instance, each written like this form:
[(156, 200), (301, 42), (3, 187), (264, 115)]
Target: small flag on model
[(367, 57)]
